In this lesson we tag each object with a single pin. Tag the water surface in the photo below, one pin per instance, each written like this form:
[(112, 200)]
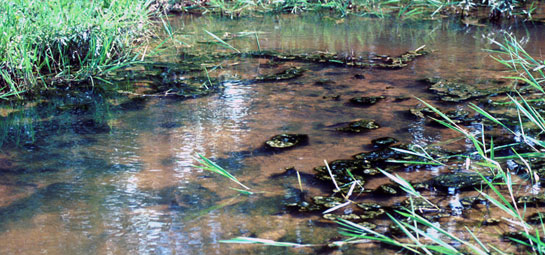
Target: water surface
[(114, 178)]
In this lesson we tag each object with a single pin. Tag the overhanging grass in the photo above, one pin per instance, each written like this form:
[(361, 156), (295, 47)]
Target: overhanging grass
[(43, 42)]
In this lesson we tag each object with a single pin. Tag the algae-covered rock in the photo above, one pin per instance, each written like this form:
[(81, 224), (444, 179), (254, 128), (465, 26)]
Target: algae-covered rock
[(471, 201), (461, 180), (421, 205), (332, 97), (380, 156), (457, 90), (458, 115), (359, 126), (284, 141), (403, 59), (491, 221), (366, 206), (340, 168), (388, 189), (334, 217), (531, 200), (287, 74), (367, 60), (370, 210), (327, 202), (304, 206), (366, 101), (384, 141)]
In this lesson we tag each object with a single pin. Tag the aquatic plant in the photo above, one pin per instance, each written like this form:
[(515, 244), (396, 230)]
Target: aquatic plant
[(47, 42)]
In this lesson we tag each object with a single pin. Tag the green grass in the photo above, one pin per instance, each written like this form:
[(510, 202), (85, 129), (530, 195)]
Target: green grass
[(377, 8), (47, 42)]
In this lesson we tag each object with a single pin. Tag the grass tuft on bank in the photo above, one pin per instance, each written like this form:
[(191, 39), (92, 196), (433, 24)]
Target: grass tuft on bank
[(44, 43)]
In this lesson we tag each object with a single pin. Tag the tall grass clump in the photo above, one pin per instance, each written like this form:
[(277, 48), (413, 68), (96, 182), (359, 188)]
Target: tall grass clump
[(44, 42)]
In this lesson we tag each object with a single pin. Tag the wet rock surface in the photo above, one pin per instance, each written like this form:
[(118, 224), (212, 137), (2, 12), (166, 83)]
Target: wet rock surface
[(457, 116), (531, 200), (536, 218), (468, 202), (340, 168), (359, 126), (368, 60), (420, 205), (460, 181), (384, 141), (459, 90), (286, 74), (285, 141), (365, 101), (380, 156)]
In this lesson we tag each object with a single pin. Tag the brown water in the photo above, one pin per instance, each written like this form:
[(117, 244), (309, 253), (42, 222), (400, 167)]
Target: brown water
[(125, 184)]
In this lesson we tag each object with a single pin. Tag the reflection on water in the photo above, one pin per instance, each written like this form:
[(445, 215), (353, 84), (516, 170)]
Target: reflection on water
[(98, 174)]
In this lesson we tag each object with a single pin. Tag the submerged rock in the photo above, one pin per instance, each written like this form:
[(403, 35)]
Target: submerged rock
[(287, 74), (421, 205), (359, 76), (536, 218), (471, 201), (334, 217), (367, 60), (458, 115), (389, 189), (457, 90), (403, 59), (491, 222), (327, 202), (531, 200), (461, 180), (380, 156), (366, 101), (384, 141), (284, 141), (371, 210), (304, 207), (332, 97), (340, 168), (359, 126)]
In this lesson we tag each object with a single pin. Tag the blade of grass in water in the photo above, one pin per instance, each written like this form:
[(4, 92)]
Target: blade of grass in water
[(252, 240), (221, 42), (209, 165)]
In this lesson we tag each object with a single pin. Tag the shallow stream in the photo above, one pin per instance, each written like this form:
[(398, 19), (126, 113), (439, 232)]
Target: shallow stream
[(91, 173)]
